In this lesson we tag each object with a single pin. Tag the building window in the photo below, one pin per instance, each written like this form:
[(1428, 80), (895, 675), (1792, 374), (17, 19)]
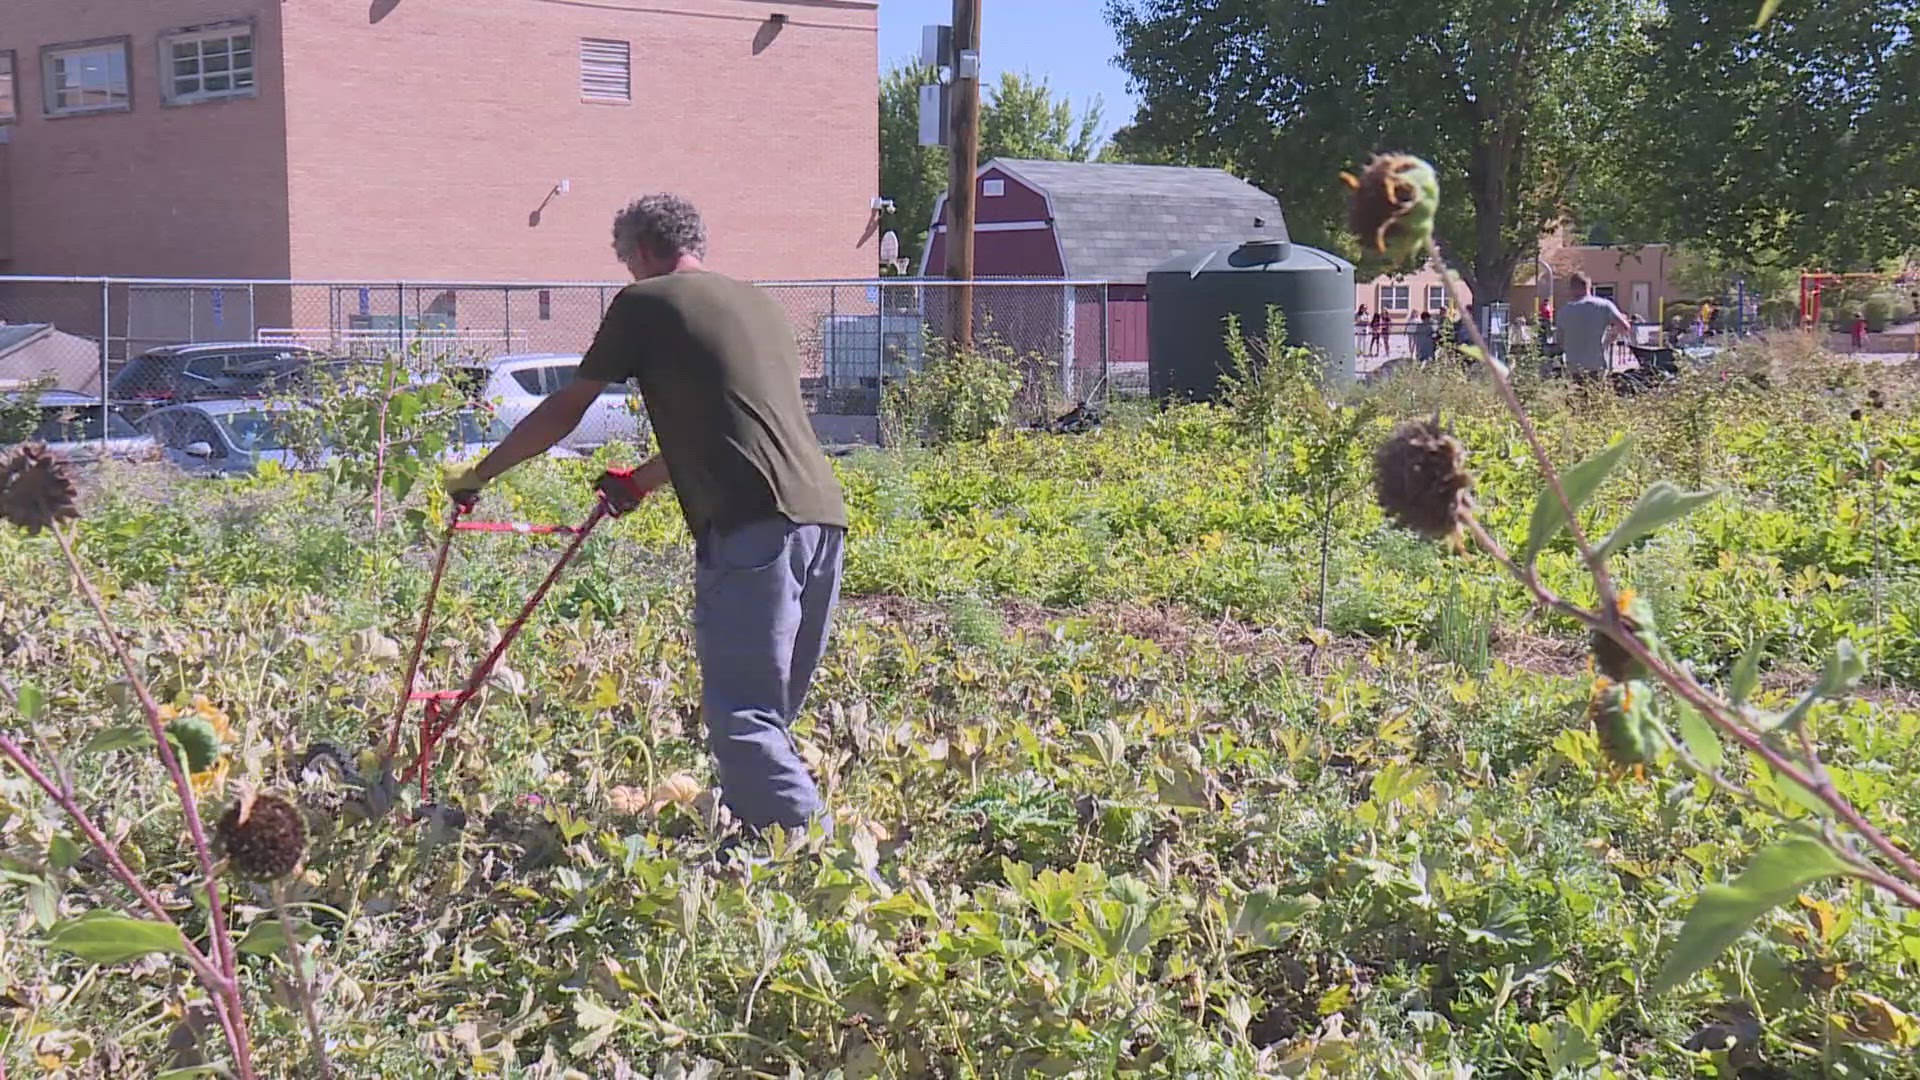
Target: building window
[(993, 189), (546, 304), (606, 71), (9, 112), (1393, 297), (1436, 298), (87, 77), (207, 63), (1605, 292)]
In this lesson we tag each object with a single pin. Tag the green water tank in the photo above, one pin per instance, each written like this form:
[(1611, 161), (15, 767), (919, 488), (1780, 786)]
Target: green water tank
[(1190, 297)]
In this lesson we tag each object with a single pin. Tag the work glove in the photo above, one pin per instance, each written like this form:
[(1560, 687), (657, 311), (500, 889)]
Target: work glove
[(464, 485)]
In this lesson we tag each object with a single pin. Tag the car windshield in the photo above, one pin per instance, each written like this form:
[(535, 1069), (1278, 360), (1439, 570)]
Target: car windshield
[(477, 428), (251, 431), (80, 424)]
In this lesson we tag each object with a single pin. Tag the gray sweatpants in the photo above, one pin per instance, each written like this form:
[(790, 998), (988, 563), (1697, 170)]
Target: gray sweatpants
[(763, 600)]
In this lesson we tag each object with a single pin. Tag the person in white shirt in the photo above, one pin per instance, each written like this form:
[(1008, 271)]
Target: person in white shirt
[(1583, 327)]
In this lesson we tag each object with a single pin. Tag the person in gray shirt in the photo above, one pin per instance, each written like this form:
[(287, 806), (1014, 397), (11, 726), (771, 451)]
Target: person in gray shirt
[(1582, 326)]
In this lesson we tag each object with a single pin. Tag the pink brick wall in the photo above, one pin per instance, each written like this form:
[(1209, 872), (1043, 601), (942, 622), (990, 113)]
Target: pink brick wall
[(422, 134), (413, 139), (161, 190)]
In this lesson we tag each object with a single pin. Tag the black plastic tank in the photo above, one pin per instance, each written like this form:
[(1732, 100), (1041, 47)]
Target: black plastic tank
[(1190, 297)]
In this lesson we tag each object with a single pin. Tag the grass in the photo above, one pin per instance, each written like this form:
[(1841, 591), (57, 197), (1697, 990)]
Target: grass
[(1125, 817)]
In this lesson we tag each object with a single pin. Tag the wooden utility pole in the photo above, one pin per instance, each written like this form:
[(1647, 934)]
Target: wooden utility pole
[(966, 162)]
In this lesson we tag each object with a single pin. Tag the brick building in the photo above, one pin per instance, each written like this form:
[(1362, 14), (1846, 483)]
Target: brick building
[(448, 140)]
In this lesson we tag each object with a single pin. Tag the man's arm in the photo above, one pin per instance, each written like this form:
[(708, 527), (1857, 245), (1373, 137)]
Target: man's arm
[(548, 423), (1623, 324)]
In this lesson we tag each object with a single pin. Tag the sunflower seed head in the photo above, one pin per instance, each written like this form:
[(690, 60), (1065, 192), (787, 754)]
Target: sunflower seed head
[(36, 490), (1393, 206), (265, 837), (1421, 481)]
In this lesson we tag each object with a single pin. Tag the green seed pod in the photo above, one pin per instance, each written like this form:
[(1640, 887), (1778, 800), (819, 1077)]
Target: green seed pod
[(199, 743), (1623, 722)]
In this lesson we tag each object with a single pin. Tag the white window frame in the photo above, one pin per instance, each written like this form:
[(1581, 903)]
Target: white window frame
[(993, 189), (1383, 303), (50, 92), (1436, 298), (602, 62), (200, 35), (10, 87)]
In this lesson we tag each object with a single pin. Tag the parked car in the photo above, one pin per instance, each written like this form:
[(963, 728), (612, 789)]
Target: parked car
[(73, 427), (514, 385), (210, 371), (233, 436)]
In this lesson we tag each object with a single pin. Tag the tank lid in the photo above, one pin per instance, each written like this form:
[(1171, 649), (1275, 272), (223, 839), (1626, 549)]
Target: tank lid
[(1260, 251)]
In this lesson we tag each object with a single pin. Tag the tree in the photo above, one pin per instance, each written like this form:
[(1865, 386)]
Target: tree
[(1509, 99), (1020, 117), (1794, 145)]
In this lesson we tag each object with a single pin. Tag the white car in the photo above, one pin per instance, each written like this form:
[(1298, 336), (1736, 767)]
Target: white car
[(514, 385)]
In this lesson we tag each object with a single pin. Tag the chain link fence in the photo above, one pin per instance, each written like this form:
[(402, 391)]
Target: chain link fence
[(129, 347)]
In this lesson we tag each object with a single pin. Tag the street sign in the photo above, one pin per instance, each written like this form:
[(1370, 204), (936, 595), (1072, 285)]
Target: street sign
[(219, 308)]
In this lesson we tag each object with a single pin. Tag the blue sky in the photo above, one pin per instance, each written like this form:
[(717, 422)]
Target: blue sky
[(1067, 42)]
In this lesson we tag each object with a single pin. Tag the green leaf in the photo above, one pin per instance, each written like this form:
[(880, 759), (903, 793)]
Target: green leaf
[(1660, 503), (1702, 741), (1746, 674), (1723, 912), (62, 851), (1767, 8), (266, 937), (33, 703), (106, 938), (1844, 670), (192, 1072), (120, 738), (1579, 482)]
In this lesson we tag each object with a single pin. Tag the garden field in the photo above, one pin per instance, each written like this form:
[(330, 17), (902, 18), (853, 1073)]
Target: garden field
[(1107, 800)]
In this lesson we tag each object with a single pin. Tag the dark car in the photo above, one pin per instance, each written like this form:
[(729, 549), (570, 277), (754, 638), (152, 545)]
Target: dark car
[(75, 427), (177, 373)]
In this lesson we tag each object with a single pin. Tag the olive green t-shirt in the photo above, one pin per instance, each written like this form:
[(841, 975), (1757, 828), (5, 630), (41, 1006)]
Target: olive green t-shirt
[(718, 368)]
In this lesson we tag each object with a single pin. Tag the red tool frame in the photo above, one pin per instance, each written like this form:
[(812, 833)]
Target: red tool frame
[(617, 493)]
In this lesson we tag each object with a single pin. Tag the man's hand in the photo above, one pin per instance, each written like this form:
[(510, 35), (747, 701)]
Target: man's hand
[(464, 485)]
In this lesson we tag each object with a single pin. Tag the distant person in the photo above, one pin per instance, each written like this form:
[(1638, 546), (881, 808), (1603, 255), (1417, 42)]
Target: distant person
[(1362, 324), (1382, 329), (1583, 327), (1859, 330), (1426, 341)]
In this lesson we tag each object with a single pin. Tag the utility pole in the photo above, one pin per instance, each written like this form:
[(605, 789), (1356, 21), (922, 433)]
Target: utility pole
[(965, 143)]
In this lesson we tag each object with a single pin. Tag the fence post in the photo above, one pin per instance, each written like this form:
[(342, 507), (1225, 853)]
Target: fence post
[(106, 332), (253, 313), (1069, 342), (1106, 339)]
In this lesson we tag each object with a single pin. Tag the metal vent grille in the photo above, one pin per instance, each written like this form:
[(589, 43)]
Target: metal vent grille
[(606, 70)]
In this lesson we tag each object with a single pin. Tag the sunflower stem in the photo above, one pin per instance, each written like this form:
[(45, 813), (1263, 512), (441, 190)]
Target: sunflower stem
[(223, 951)]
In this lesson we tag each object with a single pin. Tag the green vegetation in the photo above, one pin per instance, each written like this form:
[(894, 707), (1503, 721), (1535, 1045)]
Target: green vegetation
[(1126, 812)]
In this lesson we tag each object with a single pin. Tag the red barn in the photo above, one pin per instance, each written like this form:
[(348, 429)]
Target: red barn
[(1097, 222)]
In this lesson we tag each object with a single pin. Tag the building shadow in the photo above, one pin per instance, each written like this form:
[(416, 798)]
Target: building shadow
[(380, 9)]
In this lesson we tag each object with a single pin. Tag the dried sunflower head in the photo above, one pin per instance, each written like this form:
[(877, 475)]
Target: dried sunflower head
[(1420, 479), (1610, 658), (1394, 200), (35, 489), (264, 835)]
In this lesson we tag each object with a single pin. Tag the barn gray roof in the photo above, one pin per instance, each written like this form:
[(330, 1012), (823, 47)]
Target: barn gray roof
[(1117, 222), (14, 335)]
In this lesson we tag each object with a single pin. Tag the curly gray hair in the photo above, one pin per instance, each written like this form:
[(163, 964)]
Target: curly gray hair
[(666, 225)]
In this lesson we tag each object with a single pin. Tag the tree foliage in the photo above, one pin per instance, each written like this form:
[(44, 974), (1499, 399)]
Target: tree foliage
[(1797, 144), (1509, 99), (1020, 117)]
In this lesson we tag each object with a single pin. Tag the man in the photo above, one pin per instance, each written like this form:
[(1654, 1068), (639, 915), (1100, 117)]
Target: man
[(1582, 327), (1425, 338), (719, 371)]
